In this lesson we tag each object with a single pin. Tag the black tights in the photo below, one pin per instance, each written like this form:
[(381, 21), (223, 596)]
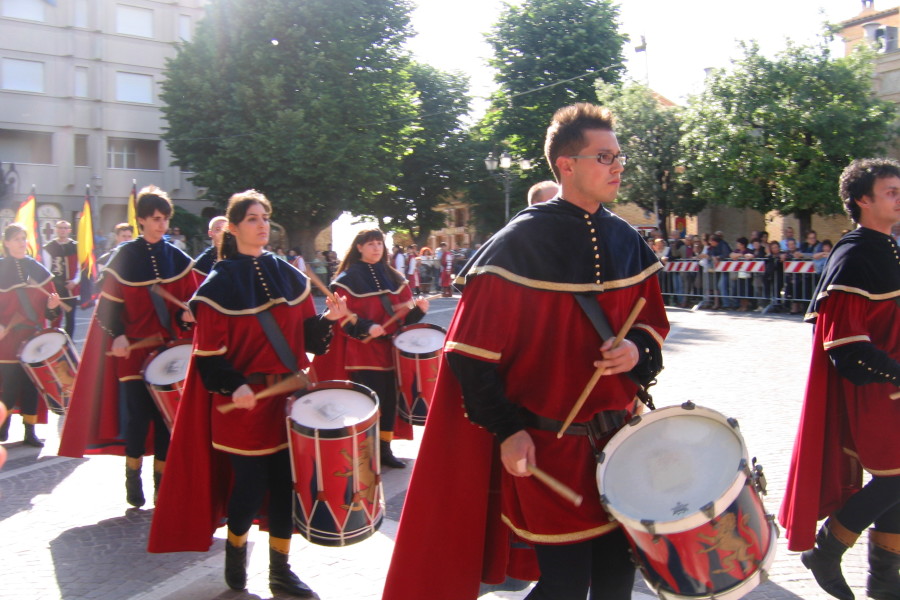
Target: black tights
[(18, 389), (568, 571), (254, 477), (140, 411), (383, 384), (878, 502)]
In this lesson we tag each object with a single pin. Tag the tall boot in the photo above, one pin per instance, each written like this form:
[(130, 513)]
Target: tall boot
[(281, 578), (158, 467), (4, 429), (30, 438), (884, 566), (387, 455), (824, 560), (134, 488), (236, 561)]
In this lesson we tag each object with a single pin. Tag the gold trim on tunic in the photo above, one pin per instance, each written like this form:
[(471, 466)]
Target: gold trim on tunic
[(884, 473), (846, 340), (554, 286), (375, 293), (219, 352), (559, 538), (262, 452), (149, 282), (473, 350), (655, 334)]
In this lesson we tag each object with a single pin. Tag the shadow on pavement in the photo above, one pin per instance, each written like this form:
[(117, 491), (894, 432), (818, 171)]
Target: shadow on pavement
[(17, 492)]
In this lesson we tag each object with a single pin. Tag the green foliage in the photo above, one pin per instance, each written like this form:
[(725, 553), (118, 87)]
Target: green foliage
[(774, 134), (317, 121)]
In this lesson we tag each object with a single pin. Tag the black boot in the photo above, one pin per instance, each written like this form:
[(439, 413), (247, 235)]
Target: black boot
[(235, 566), (884, 566), (388, 459), (30, 438), (282, 579), (824, 560), (4, 430), (134, 488), (157, 481)]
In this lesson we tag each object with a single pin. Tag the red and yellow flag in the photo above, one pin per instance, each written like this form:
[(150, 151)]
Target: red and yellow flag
[(26, 215), (86, 259), (132, 208)]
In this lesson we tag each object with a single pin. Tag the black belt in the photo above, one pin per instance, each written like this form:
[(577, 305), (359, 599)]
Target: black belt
[(266, 379), (601, 424)]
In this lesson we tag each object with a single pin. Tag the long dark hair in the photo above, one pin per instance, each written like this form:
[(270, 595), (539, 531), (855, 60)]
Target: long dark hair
[(238, 205), (354, 255)]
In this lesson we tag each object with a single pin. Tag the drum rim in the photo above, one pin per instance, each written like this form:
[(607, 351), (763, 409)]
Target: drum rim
[(336, 432), (157, 353), (67, 341), (696, 518), (424, 355)]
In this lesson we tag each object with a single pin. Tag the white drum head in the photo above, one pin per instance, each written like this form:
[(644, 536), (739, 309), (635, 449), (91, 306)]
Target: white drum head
[(670, 465), (42, 346), (421, 340), (169, 366), (332, 408)]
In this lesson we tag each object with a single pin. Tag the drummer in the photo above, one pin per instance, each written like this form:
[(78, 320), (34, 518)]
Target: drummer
[(362, 351), (235, 355), (519, 352), (24, 310), (204, 261), (143, 291)]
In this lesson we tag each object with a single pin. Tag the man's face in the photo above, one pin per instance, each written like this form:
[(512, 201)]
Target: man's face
[(789, 232), (881, 209), (215, 233), (154, 227), (587, 178), (63, 230), (124, 235)]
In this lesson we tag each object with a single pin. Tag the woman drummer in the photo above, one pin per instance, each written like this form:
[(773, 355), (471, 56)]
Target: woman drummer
[(381, 299), (249, 293), (27, 300)]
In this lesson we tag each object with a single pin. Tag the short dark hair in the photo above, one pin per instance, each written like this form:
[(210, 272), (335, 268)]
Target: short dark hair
[(152, 199), (859, 178), (566, 132)]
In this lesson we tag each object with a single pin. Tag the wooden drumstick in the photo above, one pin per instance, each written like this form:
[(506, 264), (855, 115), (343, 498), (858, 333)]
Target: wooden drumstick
[(895, 396), (397, 315), (167, 295), (16, 319), (638, 306), (297, 381), (34, 284), (156, 340), (556, 485), (351, 318)]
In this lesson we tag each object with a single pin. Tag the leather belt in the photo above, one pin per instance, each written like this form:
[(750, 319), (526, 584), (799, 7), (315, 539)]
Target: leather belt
[(603, 423), (266, 379)]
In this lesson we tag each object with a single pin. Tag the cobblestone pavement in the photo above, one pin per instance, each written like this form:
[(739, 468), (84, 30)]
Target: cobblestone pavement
[(67, 532)]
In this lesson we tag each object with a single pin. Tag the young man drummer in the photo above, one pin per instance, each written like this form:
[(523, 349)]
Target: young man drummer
[(519, 352), (62, 261), (143, 291)]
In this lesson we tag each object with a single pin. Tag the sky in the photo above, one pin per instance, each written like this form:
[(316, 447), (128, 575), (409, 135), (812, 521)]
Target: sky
[(684, 37)]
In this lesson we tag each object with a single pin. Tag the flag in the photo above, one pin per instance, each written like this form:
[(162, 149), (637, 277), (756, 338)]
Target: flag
[(86, 260), (26, 217), (132, 208)]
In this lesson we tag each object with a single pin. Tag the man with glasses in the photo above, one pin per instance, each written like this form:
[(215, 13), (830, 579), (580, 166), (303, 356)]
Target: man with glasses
[(518, 353), (62, 261)]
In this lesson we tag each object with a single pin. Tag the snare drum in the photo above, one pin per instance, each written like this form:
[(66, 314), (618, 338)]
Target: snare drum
[(333, 438), (678, 481), (164, 372), (51, 361), (417, 355)]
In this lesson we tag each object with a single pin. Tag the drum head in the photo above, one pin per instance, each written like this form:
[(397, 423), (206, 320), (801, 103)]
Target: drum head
[(671, 464), (332, 408), (42, 346), (169, 366), (420, 340)]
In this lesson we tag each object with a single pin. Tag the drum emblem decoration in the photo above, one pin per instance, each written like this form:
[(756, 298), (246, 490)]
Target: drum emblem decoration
[(727, 539), (367, 479), (679, 509)]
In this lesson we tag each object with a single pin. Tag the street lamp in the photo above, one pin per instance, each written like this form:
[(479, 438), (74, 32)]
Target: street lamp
[(504, 162)]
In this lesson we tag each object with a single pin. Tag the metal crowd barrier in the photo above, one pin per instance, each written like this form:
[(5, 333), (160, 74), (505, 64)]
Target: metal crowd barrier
[(763, 285)]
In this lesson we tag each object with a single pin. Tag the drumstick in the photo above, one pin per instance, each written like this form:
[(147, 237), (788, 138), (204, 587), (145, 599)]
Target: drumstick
[(638, 306), (33, 284), (285, 386), (351, 318), (16, 319), (155, 340), (895, 396), (167, 295), (556, 485), (397, 315)]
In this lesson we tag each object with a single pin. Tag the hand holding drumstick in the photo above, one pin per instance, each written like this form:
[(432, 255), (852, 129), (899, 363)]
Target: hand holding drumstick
[(401, 312), (53, 300), (245, 398)]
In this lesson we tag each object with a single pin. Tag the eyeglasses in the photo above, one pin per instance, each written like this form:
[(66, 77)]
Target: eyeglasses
[(605, 158)]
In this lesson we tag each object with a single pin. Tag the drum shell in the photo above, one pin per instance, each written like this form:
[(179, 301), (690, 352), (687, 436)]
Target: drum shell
[(416, 376), (338, 495), (166, 396), (722, 550), (55, 375)]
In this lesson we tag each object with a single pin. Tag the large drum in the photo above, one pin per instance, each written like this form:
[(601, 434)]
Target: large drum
[(333, 438), (51, 361), (417, 355), (679, 482), (164, 372)]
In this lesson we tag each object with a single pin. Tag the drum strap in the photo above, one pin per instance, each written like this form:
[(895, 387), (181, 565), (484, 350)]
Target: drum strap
[(386, 303), (26, 305), (592, 309), (162, 311), (279, 343)]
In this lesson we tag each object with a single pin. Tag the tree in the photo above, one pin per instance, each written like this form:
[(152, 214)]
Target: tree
[(649, 132), (774, 134), (432, 168), (306, 101)]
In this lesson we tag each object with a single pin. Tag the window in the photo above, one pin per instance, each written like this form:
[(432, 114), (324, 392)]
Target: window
[(122, 153), (184, 27), (81, 82), (131, 20), (81, 14), (33, 147), (134, 87), (23, 75), (82, 157), (30, 10)]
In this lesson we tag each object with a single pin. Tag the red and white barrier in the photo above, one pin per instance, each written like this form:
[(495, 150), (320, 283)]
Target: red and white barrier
[(799, 266), (682, 266), (739, 266)]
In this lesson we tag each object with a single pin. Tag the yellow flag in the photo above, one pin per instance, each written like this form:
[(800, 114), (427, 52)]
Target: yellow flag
[(86, 239), (132, 209), (26, 216)]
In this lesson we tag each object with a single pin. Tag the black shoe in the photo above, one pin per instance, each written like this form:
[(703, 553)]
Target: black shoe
[(30, 438), (825, 562), (282, 579), (884, 566), (388, 459), (235, 566), (4, 430), (134, 488)]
